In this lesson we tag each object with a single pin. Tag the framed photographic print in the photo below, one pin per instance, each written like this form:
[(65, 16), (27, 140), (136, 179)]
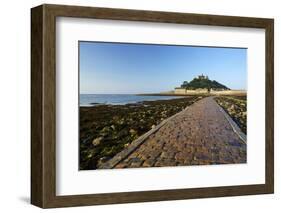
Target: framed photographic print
[(136, 106)]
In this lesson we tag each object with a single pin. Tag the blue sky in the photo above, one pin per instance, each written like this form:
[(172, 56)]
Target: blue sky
[(120, 68)]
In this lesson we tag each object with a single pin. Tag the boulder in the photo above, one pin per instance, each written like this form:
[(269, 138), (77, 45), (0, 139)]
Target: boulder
[(97, 141)]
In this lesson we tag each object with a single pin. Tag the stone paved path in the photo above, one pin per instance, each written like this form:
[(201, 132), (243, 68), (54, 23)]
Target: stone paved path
[(198, 136)]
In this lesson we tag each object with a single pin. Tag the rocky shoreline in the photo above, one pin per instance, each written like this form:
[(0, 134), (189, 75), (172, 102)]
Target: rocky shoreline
[(105, 130), (236, 107)]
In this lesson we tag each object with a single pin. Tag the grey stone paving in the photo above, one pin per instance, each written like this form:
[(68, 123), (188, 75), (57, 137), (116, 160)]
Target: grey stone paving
[(200, 135)]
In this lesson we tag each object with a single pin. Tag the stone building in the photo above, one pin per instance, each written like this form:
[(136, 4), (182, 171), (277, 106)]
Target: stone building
[(201, 77), (184, 91)]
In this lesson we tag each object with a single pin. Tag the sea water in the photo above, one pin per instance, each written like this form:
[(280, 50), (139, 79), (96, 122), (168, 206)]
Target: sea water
[(119, 99)]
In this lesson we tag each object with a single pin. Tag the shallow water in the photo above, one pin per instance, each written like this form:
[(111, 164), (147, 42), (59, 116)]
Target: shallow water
[(118, 99)]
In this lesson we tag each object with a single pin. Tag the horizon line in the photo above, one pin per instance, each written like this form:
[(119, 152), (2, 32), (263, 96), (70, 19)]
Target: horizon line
[(142, 93)]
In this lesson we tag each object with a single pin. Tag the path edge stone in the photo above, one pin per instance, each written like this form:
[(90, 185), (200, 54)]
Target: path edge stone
[(233, 125)]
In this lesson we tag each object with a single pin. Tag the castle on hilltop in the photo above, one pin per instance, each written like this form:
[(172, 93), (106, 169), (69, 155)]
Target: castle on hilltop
[(201, 77), (200, 84)]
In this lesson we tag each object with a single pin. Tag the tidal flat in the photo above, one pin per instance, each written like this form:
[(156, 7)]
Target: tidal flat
[(105, 130)]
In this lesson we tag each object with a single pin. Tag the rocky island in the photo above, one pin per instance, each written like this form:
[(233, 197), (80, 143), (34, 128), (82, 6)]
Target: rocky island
[(200, 84)]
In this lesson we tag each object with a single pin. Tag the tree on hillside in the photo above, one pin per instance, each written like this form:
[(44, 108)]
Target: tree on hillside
[(203, 82)]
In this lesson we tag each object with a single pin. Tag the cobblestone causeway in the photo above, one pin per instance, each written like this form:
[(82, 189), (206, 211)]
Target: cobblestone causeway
[(200, 135)]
